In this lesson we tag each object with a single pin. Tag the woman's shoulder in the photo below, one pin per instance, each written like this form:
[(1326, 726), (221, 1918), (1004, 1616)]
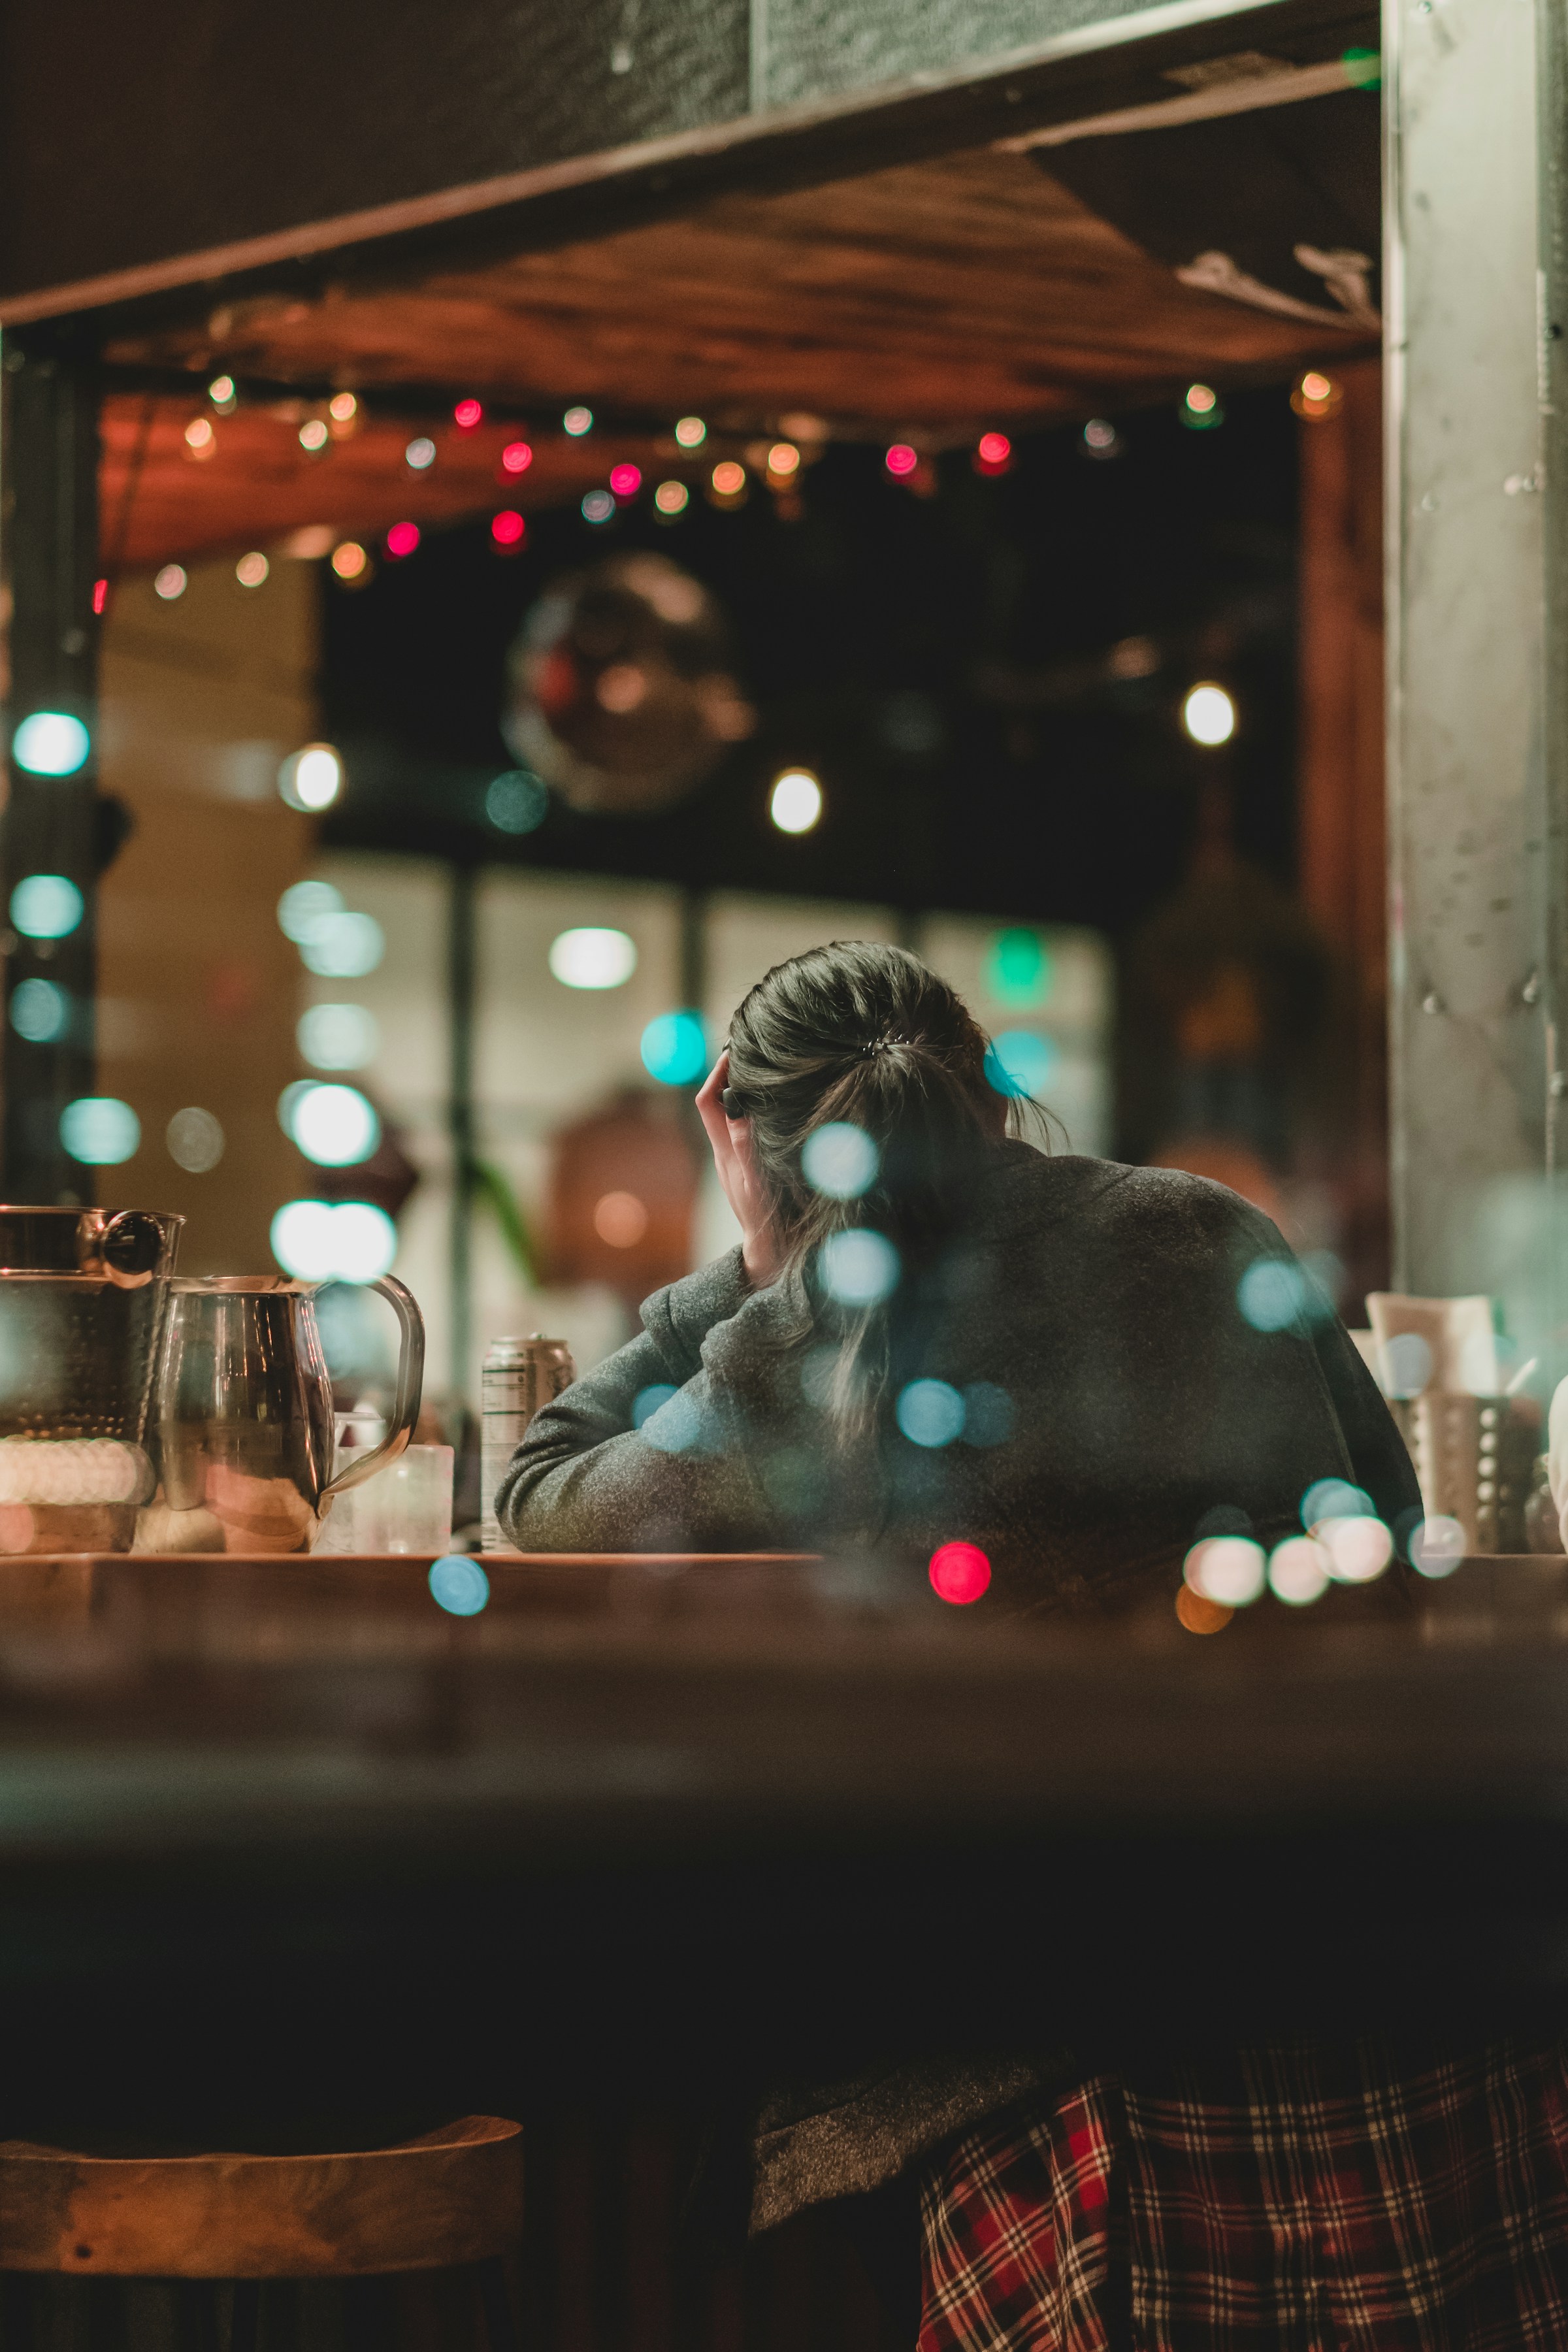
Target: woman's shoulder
[(1159, 1207)]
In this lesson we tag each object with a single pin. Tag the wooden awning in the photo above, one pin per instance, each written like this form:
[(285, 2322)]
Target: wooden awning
[(928, 300)]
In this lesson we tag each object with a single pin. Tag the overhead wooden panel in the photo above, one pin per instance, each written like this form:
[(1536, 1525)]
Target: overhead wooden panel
[(930, 300)]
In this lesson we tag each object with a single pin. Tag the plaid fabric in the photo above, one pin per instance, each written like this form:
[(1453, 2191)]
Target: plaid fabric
[(1297, 2198)]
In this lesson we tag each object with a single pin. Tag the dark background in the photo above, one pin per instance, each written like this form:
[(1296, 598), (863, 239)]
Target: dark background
[(944, 662)]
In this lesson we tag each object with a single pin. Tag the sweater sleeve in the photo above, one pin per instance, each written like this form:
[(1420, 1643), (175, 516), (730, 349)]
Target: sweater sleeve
[(1378, 1461), (695, 1475)]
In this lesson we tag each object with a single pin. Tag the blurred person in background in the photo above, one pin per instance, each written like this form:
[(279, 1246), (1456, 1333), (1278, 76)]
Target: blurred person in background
[(932, 1332)]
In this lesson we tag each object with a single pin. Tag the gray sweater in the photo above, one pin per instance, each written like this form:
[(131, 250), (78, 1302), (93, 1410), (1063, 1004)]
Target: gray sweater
[(1091, 1315), (1122, 1395)]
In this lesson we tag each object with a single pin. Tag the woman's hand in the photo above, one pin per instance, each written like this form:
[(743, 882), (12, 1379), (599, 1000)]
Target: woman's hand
[(736, 1160)]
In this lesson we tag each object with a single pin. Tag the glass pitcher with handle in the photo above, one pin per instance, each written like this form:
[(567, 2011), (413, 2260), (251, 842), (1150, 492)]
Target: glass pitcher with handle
[(245, 1427), (83, 1295)]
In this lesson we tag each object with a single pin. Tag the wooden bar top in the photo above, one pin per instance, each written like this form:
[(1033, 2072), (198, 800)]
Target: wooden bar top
[(647, 1813)]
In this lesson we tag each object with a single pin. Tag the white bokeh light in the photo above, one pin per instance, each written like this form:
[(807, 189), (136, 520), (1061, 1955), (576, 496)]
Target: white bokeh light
[(1298, 1570), (311, 778), (337, 1037), (1227, 1568), (795, 802), (1358, 1548), (1208, 714), (592, 957), (343, 946), (320, 1241), (859, 1268), (337, 1127), (839, 1161)]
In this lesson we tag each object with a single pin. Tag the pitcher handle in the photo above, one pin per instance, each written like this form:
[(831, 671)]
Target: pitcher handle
[(410, 1379)]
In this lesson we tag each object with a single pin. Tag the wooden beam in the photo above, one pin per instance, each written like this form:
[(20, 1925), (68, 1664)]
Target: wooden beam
[(1069, 74)]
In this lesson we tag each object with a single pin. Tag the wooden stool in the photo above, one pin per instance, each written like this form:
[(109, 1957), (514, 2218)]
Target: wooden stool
[(452, 2200)]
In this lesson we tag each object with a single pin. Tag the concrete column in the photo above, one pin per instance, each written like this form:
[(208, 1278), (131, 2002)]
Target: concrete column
[(1479, 979)]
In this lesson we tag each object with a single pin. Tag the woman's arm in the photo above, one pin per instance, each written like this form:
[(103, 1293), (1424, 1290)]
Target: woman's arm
[(695, 1476)]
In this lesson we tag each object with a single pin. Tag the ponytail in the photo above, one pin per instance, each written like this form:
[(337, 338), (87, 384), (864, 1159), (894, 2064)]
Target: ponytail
[(864, 1037)]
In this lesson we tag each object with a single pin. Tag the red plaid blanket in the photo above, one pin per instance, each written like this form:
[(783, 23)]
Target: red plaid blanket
[(1297, 2198)]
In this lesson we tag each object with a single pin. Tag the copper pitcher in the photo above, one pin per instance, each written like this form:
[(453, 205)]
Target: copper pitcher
[(245, 1424)]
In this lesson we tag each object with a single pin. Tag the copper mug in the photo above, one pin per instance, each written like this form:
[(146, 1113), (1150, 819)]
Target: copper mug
[(244, 1423)]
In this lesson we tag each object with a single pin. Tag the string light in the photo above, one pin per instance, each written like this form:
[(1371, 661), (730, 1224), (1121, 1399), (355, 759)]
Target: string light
[(311, 778), (201, 439), (626, 481), (343, 408), (1201, 408), (507, 527), (516, 457), (729, 479), (100, 595), (598, 506), (671, 498), (169, 582), (1316, 395), (349, 559), (221, 391), (420, 453), (901, 460), (467, 414), (314, 434), (691, 432), (576, 422), (783, 461), (403, 539), (794, 803), (1208, 714), (251, 571)]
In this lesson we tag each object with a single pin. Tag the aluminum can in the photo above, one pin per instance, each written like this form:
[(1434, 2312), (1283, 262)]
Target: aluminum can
[(518, 1376)]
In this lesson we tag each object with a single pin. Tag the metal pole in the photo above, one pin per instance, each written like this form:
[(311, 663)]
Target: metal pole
[(49, 558), (461, 996), (1476, 773)]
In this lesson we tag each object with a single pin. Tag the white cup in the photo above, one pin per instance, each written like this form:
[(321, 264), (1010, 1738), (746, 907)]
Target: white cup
[(415, 1498)]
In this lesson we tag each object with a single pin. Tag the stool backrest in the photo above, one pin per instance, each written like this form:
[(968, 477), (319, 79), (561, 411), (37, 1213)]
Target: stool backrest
[(454, 2196)]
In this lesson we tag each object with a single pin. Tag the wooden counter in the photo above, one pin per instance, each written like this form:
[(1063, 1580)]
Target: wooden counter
[(683, 1815)]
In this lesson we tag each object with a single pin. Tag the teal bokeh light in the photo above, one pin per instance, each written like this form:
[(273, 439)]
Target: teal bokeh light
[(1020, 1063), (1018, 970), (458, 1585), (40, 1011), (99, 1131), (47, 907), (674, 1049)]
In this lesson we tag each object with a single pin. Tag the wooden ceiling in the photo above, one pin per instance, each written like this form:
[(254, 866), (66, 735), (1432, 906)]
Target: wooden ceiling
[(929, 300)]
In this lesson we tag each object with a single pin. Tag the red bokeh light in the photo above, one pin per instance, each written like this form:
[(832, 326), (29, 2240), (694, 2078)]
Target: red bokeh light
[(995, 448), (403, 539), (901, 459), (960, 1573), (99, 594), (626, 481), (517, 457), (507, 527), (467, 414)]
